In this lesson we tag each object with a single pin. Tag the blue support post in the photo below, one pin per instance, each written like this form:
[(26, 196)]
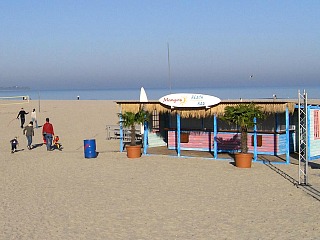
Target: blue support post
[(275, 142), (255, 140), (287, 137), (215, 134), (121, 133), (178, 134), (145, 137)]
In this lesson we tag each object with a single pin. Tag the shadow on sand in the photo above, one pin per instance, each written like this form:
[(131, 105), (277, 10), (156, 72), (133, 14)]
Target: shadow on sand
[(315, 193), (37, 145)]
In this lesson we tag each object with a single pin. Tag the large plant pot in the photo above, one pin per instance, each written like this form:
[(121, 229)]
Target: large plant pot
[(133, 151), (243, 160)]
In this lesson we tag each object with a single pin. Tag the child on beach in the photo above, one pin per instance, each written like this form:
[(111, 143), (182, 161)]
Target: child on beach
[(14, 142), (56, 143)]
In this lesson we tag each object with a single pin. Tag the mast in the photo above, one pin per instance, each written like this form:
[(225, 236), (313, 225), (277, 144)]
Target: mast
[(169, 69)]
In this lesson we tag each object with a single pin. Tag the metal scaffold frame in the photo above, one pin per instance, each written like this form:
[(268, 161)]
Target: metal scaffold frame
[(303, 138)]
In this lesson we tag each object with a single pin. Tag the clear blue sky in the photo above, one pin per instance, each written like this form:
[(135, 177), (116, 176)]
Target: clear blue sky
[(117, 43)]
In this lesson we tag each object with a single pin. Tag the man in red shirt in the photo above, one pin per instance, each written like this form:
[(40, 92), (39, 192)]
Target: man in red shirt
[(48, 133)]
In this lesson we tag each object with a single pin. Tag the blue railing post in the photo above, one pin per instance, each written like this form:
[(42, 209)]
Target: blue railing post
[(145, 137), (287, 137), (215, 134), (255, 137), (121, 133), (178, 134)]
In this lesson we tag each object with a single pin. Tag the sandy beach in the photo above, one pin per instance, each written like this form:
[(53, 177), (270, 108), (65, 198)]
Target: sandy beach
[(62, 195)]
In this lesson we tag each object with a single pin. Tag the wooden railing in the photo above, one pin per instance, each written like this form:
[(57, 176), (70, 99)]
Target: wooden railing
[(113, 132)]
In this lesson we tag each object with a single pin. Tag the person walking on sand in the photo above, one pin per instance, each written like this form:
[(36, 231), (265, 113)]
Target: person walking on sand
[(14, 142), (22, 114), (48, 133), (34, 117), (29, 132)]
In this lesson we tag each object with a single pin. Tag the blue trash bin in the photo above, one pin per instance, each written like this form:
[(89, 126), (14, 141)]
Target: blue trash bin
[(90, 148)]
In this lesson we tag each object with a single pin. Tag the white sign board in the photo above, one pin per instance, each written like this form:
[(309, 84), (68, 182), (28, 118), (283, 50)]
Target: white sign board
[(189, 100)]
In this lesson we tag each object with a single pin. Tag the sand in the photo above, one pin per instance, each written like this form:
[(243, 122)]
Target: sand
[(62, 195)]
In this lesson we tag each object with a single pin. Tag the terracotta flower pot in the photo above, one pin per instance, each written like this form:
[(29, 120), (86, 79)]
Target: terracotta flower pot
[(243, 160), (133, 151)]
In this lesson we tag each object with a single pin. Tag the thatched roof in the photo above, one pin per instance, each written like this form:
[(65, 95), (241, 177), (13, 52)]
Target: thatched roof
[(267, 106)]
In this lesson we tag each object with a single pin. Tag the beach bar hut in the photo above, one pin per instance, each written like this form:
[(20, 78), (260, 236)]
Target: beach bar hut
[(201, 129)]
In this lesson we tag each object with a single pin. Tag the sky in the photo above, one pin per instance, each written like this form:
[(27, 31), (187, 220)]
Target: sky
[(112, 44)]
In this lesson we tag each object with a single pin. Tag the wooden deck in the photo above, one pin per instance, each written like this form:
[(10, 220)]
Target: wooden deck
[(294, 158)]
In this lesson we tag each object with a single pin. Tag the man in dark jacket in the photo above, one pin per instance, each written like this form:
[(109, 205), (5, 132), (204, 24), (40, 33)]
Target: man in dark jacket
[(22, 114)]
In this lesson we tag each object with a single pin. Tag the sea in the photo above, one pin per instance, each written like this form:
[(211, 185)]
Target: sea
[(313, 92)]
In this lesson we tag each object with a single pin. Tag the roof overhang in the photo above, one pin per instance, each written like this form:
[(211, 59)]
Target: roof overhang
[(269, 106)]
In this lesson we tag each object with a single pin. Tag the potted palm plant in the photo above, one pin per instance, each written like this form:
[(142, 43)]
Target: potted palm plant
[(243, 116), (130, 120)]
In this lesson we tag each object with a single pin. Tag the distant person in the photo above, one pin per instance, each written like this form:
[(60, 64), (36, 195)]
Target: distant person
[(48, 133), (34, 117), (29, 132), (14, 143), (22, 114)]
